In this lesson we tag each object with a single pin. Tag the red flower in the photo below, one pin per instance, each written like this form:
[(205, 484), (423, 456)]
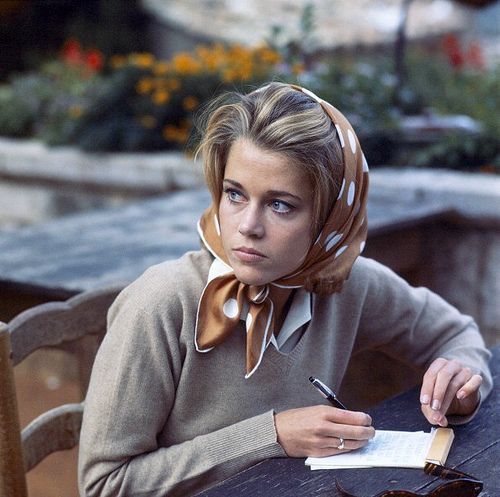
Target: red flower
[(475, 56), (72, 52), (94, 60), (452, 49)]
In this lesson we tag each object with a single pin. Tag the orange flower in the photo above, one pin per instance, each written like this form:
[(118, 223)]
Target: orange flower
[(117, 61), (161, 68), (143, 60), (298, 68), (174, 84), (267, 55), (147, 121), (161, 97), (75, 111), (175, 134), (144, 85), (190, 103), (184, 63)]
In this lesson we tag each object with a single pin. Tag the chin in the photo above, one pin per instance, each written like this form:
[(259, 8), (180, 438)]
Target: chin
[(252, 277)]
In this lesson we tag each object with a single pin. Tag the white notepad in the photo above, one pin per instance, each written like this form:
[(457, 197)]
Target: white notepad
[(397, 449)]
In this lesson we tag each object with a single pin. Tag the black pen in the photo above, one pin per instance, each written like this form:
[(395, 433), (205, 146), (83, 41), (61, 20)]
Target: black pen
[(327, 393)]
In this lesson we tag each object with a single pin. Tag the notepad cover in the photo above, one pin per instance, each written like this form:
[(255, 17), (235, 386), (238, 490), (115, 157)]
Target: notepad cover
[(440, 446)]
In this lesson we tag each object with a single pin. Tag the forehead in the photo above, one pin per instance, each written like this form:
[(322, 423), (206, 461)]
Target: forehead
[(249, 163)]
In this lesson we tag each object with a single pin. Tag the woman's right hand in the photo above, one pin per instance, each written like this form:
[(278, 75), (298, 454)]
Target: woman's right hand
[(315, 431)]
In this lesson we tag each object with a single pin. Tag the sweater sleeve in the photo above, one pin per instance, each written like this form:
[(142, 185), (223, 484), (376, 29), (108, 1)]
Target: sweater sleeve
[(131, 393), (417, 326)]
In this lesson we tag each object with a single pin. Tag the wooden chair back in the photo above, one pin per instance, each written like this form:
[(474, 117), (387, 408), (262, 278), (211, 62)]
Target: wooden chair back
[(76, 326)]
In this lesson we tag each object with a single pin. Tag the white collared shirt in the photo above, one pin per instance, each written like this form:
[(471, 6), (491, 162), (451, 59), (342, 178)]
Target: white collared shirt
[(298, 315)]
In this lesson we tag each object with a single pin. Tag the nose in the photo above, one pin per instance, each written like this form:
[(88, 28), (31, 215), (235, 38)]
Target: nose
[(251, 224)]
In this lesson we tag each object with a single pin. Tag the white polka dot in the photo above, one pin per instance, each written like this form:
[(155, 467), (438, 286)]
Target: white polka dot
[(341, 250), (362, 247), (365, 165), (332, 239), (341, 189), (248, 321), (216, 222), (352, 140), (350, 193), (341, 136), (311, 94), (230, 308)]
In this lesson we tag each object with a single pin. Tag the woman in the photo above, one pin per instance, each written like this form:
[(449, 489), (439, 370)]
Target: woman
[(204, 370)]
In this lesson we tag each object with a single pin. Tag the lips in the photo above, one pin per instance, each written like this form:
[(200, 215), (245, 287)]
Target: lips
[(246, 254)]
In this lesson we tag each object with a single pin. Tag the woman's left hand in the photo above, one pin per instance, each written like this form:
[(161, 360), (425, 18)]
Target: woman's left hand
[(448, 387)]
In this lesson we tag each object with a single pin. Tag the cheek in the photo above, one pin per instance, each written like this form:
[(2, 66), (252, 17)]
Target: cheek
[(226, 220), (296, 244)]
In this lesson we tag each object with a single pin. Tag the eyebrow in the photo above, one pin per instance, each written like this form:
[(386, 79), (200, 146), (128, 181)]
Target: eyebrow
[(270, 193)]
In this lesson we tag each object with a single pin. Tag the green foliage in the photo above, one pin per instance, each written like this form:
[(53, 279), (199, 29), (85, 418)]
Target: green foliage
[(462, 151), (474, 93), (296, 50), (361, 90), (16, 116), (47, 103)]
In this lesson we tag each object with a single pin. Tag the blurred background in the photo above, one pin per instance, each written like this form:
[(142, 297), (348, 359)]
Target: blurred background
[(91, 89), (121, 75)]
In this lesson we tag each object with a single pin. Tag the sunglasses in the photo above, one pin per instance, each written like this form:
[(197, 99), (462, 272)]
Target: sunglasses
[(462, 485)]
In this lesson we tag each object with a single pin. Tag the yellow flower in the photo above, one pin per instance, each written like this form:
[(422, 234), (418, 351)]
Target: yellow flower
[(144, 85), (268, 55), (298, 68), (161, 97), (143, 60), (117, 61), (185, 63), (229, 75), (161, 68), (175, 134), (75, 111), (174, 84), (190, 103), (208, 58), (147, 121)]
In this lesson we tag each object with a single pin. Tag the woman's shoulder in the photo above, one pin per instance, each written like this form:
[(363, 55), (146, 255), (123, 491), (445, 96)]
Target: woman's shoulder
[(366, 272), (172, 280)]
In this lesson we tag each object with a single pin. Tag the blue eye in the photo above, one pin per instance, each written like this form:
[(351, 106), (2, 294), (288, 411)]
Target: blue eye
[(233, 195), (281, 207)]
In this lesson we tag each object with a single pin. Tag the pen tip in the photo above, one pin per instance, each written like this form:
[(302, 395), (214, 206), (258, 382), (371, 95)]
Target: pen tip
[(311, 378)]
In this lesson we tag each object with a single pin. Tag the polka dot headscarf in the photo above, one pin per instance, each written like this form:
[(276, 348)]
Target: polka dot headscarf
[(324, 270)]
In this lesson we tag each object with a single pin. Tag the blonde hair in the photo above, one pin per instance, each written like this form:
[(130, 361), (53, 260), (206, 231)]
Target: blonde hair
[(282, 120)]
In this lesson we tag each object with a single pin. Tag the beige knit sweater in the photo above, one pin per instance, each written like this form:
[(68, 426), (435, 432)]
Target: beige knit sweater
[(163, 419)]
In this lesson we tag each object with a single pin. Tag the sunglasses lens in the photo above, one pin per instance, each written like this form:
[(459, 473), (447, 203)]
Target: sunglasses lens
[(459, 488)]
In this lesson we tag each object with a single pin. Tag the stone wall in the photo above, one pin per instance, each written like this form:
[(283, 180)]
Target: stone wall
[(460, 258), (38, 183), (464, 267)]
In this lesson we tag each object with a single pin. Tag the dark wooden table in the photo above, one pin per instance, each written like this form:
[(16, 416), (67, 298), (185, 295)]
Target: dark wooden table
[(475, 450)]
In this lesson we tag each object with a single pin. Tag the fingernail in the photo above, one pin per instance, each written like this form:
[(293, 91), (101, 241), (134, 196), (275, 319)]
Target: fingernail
[(435, 405), (437, 418), (424, 399)]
